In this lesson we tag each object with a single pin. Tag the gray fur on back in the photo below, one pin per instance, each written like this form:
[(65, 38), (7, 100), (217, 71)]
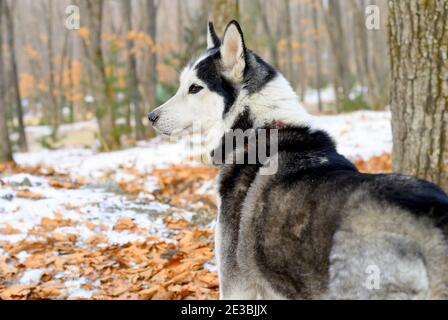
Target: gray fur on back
[(322, 230)]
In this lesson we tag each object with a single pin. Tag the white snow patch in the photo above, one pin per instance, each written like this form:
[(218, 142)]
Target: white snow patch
[(75, 290), (22, 255), (327, 95), (361, 134), (31, 276)]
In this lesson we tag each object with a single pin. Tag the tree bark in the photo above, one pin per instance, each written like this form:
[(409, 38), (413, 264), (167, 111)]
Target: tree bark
[(5, 149), (333, 20), (273, 40), (55, 108), (223, 12), (302, 65), (418, 44), (317, 55), (104, 105), (151, 9), (133, 86), (15, 77), (290, 72)]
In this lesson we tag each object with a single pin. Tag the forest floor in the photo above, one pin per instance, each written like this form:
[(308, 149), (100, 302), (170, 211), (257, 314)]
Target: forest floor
[(130, 224)]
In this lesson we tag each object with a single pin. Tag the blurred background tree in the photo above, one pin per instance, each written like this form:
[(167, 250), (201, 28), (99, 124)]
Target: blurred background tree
[(5, 149), (125, 58), (224, 11)]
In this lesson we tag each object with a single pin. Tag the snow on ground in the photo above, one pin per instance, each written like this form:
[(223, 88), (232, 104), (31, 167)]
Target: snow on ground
[(100, 213), (327, 95), (361, 134), (63, 129), (88, 164)]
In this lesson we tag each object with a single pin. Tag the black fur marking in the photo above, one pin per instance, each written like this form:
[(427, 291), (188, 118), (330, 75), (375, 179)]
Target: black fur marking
[(418, 196), (209, 71), (215, 38), (257, 73), (243, 121)]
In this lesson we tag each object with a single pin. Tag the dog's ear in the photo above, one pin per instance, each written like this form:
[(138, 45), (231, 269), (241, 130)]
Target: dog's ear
[(212, 39), (233, 52)]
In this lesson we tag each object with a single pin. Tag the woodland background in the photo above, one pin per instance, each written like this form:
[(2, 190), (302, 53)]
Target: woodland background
[(94, 206), (125, 58)]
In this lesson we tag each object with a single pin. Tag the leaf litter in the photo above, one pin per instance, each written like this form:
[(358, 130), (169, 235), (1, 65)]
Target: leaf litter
[(131, 224)]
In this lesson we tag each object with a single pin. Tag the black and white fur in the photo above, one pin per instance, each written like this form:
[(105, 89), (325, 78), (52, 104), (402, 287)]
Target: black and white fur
[(315, 229)]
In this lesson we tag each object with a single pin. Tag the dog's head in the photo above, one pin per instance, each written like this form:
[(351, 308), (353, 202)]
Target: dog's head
[(224, 84)]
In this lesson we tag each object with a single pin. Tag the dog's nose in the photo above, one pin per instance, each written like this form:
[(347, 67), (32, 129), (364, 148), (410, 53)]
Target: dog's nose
[(154, 116)]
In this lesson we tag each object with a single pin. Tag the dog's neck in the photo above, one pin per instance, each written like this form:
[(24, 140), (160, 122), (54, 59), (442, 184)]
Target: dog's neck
[(275, 106), (275, 103)]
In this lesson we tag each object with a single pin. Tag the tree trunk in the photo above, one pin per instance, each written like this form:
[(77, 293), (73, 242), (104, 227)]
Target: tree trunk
[(317, 54), (223, 12), (15, 77), (368, 69), (71, 89), (268, 31), (104, 105), (55, 112), (302, 65), (133, 86), (5, 149), (360, 42), (151, 9), (333, 20), (290, 72), (418, 42)]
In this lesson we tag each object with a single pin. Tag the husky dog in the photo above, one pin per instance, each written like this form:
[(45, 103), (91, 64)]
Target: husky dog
[(316, 228)]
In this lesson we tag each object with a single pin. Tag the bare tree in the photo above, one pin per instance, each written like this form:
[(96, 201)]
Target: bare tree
[(371, 69), (333, 20), (133, 85), (317, 54), (15, 76), (418, 39), (290, 70), (272, 39), (302, 66), (223, 12), (5, 149), (55, 112), (151, 10), (105, 110)]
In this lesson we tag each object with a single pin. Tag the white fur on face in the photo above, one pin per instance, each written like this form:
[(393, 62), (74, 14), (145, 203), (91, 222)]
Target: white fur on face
[(204, 108), (275, 101)]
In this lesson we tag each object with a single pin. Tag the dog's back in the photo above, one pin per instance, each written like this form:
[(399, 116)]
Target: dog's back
[(320, 229)]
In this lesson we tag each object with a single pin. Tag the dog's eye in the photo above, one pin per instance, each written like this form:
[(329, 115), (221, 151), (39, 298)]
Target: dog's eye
[(194, 88)]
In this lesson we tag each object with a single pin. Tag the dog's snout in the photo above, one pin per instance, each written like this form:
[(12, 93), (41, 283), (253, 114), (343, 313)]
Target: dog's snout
[(154, 116)]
